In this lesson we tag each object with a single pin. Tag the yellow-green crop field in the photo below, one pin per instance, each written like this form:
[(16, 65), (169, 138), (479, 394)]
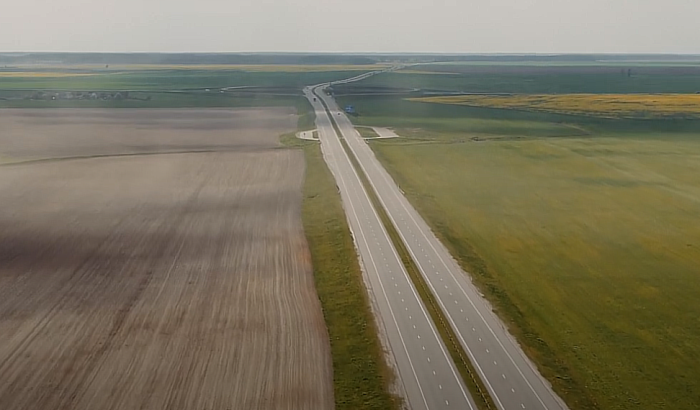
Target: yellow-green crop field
[(598, 105)]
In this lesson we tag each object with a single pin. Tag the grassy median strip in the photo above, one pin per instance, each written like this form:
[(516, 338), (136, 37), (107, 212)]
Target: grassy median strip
[(474, 384), (361, 376)]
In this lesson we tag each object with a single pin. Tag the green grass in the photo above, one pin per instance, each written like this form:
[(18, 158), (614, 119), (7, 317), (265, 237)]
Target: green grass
[(366, 132), (168, 100), (428, 122), (581, 231), (169, 88), (413, 118), (589, 249), (542, 80), (172, 79), (361, 375)]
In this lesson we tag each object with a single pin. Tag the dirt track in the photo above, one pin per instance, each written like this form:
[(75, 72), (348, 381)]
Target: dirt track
[(176, 281)]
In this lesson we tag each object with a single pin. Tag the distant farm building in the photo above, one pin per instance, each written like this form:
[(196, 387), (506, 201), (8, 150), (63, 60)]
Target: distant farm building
[(350, 109)]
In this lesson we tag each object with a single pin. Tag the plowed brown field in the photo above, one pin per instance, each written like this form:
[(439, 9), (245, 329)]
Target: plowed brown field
[(169, 281)]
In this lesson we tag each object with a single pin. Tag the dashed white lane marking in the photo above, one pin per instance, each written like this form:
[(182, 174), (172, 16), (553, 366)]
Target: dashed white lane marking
[(479, 339), (473, 330), (522, 405), (414, 326), (504, 376), (487, 351), (433, 372), (461, 310), (423, 347), (419, 336), (447, 403), (495, 364), (440, 386), (410, 317), (428, 360), (512, 390)]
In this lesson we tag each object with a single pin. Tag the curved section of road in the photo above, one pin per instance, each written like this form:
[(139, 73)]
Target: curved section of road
[(512, 380), (427, 372)]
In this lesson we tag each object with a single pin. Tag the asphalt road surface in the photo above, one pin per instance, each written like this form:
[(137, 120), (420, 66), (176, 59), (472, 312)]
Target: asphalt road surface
[(429, 377), (512, 380)]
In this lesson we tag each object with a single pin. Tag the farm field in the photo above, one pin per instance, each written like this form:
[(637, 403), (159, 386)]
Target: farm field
[(33, 69), (598, 105), (164, 86), (162, 280), (36, 134), (164, 78), (584, 241), (540, 79)]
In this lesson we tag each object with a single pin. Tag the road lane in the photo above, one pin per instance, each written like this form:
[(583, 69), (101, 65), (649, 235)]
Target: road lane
[(428, 375), (512, 380)]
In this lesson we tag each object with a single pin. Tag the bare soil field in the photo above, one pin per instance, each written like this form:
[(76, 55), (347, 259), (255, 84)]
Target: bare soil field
[(172, 281), (38, 133)]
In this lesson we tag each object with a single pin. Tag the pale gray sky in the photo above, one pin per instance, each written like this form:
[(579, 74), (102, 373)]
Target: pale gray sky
[(469, 26)]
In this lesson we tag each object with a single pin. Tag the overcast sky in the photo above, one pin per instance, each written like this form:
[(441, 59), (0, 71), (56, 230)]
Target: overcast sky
[(468, 26)]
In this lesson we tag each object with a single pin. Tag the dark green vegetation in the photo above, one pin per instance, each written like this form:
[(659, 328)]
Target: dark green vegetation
[(427, 122), (540, 79), (172, 79), (361, 375), (169, 100), (183, 58), (167, 88), (580, 230)]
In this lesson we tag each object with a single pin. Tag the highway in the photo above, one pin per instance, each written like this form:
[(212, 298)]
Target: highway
[(512, 380), (427, 373)]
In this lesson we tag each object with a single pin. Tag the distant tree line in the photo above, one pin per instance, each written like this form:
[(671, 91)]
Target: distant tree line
[(181, 58), (325, 58)]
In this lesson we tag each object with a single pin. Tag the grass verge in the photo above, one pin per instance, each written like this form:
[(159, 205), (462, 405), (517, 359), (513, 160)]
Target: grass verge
[(465, 368), (367, 132), (361, 376)]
